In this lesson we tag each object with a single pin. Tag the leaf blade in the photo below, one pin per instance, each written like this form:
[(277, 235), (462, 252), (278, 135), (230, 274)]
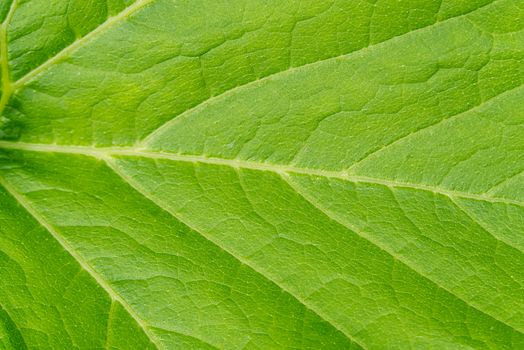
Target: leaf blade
[(230, 183)]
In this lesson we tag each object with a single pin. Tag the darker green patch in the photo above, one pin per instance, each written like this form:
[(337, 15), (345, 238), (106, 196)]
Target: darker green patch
[(4, 9), (9, 159), (9, 129), (14, 335)]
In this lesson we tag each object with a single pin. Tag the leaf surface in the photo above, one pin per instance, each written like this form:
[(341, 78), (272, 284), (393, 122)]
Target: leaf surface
[(262, 174)]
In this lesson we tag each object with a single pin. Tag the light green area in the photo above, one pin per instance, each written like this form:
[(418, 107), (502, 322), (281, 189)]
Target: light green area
[(261, 174)]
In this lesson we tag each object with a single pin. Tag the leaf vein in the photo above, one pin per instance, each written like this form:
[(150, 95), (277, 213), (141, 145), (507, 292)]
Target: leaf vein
[(115, 297), (430, 126), (67, 247), (482, 225), (4, 59), (124, 14), (148, 138), (134, 184), (105, 152), (297, 188)]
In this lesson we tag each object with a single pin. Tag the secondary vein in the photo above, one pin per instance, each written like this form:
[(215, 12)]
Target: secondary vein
[(139, 4), (138, 187), (148, 138), (20, 198), (310, 199)]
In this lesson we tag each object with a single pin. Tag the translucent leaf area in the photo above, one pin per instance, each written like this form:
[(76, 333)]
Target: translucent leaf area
[(262, 174)]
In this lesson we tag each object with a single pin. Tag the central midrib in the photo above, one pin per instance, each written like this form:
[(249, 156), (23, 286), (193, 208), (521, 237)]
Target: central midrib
[(111, 152)]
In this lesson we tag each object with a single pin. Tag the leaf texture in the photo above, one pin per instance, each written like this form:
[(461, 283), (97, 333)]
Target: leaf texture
[(261, 174)]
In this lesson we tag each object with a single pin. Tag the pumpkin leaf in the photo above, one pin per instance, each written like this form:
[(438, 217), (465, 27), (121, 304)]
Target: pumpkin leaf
[(261, 174)]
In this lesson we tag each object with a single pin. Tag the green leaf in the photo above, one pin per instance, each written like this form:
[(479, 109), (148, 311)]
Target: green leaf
[(261, 174)]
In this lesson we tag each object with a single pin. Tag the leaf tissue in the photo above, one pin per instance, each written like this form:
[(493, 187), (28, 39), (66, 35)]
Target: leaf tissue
[(261, 174)]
